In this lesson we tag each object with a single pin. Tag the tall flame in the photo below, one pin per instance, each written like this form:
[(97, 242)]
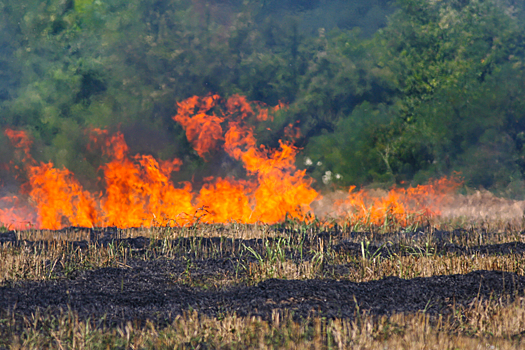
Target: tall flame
[(277, 188), (139, 191), (57, 196)]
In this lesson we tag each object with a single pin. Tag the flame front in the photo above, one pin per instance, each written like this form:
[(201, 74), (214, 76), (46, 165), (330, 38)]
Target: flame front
[(139, 191), (398, 206)]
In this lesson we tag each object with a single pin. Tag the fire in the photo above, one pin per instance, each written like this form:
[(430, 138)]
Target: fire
[(57, 196), (20, 141), (202, 130), (276, 188), (139, 191), (399, 205), (15, 214)]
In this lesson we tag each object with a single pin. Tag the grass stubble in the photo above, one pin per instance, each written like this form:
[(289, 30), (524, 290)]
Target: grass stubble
[(292, 250)]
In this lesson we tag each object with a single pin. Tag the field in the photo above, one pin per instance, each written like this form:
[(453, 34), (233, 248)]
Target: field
[(292, 285), (285, 174), (256, 261)]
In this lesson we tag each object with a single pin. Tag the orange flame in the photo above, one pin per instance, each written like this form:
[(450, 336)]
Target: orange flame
[(58, 198), (139, 191), (398, 206), (19, 140), (16, 215), (203, 131), (278, 187)]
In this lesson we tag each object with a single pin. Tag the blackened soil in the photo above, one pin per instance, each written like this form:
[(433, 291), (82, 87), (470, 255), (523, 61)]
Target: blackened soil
[(153, 290), (159, 289)]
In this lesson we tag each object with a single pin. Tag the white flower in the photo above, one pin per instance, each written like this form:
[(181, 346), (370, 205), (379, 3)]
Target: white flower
[(319, 163), (327, 177), (338, 176), (308, 161)]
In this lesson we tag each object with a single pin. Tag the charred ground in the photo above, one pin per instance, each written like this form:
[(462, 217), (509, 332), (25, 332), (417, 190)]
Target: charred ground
[(160, 278)]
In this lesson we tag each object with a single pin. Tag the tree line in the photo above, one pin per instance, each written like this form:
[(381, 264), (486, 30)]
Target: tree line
[(383, 92)]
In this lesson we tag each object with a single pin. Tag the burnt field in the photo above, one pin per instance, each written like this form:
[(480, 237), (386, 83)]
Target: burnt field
[(313, 286)]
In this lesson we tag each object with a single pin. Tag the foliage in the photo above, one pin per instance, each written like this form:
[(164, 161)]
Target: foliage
[(454, 70), (434, 89)]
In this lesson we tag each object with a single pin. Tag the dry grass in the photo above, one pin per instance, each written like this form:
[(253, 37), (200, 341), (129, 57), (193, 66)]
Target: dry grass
[(363, 270), (232, 230), (54, 253), (42, 262), (482, 325)]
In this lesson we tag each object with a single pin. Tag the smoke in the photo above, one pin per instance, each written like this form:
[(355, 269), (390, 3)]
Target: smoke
[(483, 206)]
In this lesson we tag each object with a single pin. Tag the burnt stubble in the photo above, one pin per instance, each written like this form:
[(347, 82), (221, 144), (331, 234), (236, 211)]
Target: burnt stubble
[(157, 279)]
